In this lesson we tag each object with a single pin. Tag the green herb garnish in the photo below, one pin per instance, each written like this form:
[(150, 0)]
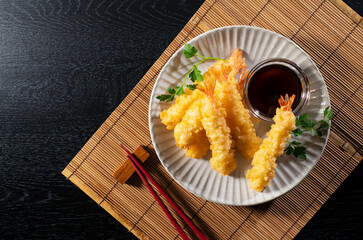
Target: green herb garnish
[(311, 126), (194, 74), (295, 148)]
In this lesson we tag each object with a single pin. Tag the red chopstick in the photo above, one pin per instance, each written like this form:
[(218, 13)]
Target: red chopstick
[(162, 205), (140, 170)]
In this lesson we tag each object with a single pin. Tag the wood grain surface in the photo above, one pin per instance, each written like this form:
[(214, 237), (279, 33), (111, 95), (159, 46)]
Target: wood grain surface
[(64, 67), (125, 171)]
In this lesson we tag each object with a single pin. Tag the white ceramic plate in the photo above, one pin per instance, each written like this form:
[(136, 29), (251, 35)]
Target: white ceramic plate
[(196, 175)]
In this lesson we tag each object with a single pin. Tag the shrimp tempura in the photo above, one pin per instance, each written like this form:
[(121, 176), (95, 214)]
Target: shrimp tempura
[(238, 118), (174, 114), (190, 134), (200, 147), (263, 163), (217, 131)]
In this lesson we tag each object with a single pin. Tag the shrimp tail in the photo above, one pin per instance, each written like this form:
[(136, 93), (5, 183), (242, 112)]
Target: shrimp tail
[(264, 160), (222, 74), (286, 103), (237, 61), (208, 87), (236, 54), (242, 78)]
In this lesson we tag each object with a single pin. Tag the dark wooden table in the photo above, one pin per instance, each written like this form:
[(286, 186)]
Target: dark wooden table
[(64, 67)]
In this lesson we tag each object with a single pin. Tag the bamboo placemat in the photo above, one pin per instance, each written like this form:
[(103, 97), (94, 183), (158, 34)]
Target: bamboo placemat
[(331, 33)]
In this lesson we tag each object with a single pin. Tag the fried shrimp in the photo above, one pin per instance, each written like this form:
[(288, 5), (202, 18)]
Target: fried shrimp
[(218, 133), (239, 122), (238, 118), (174, 114), (200, 147), (213, 116), (231, 66), (263, 163), (190, 134)]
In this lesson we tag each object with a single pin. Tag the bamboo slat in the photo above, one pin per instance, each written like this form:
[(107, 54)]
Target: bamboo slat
[(331, 33)]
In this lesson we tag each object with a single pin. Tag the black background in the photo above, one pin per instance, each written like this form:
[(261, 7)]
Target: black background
[(64, 67)]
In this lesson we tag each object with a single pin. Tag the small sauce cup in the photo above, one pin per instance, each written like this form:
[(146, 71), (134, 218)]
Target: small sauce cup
[(270, 79)]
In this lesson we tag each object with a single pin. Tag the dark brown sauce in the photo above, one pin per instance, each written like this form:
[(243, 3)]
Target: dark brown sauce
[(268, 84)]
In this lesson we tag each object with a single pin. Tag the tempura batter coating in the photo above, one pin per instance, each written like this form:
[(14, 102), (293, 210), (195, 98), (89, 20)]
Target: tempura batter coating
[(200, 147), (263, 163), (219, 136), (190, 125), (190, 134), (174, 114), (238, 118), (200, 121)]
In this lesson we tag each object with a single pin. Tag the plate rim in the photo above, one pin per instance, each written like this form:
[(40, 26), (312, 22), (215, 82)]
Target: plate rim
[(151, 124)]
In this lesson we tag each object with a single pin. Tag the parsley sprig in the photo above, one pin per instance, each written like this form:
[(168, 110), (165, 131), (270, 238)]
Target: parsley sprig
[(296, 149), (194, 74), (311, 126)]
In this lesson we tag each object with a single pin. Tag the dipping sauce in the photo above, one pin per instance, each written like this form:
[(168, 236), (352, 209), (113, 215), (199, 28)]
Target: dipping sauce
[(268, 84)]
